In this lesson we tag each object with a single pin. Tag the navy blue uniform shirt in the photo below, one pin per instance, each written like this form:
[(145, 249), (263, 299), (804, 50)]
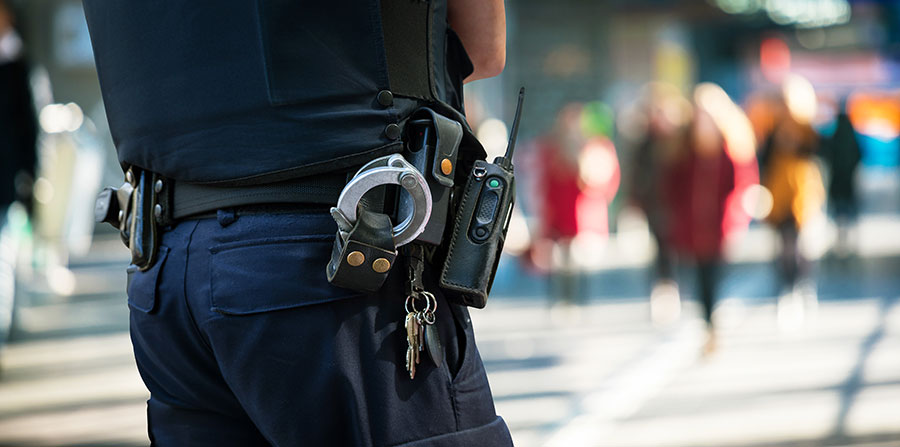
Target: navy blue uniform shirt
[(258, 91)]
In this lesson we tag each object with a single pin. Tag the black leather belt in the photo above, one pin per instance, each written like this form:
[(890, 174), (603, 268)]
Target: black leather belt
[(147, 203), (179, 200)]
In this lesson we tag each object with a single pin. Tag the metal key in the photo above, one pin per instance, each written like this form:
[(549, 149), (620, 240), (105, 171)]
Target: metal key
[(412, 340), (420, 318), (415, 334)]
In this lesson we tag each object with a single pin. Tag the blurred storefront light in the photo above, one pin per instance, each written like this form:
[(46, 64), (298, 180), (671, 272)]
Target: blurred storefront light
[(757, 201), (740, 6), (493, 136), (43, 190), (56, 118), (875, 113), (800, 13), (774, 59), (808, 14), (518, 239), (800, 98)]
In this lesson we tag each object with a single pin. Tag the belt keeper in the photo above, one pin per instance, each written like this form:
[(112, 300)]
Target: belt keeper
[(163, 190)]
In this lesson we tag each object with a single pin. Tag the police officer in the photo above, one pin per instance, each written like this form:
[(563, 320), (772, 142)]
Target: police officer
[(248, 116)]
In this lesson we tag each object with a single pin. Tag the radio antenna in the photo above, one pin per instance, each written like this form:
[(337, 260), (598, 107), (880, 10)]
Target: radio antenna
[(505, 161)]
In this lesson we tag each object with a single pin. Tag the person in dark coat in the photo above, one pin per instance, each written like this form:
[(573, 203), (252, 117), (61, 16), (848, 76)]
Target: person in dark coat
[(18, 124), (842, 154)]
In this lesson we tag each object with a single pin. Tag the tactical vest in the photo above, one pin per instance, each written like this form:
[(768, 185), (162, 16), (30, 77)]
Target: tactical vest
[(245, 92)]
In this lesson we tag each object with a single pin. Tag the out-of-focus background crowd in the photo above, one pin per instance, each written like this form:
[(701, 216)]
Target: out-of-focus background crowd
[(704, 251)]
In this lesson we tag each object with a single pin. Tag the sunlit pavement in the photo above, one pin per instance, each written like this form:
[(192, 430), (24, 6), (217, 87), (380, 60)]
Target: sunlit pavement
[(597, 374), (73, 391), (603, 377), (67, 377)]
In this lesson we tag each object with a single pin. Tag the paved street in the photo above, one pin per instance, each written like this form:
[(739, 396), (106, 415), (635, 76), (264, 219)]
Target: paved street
[(599, 374), (609, 380)]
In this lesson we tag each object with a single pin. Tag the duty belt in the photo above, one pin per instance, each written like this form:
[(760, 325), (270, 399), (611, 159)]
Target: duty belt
[(368, 237), (451, 211)]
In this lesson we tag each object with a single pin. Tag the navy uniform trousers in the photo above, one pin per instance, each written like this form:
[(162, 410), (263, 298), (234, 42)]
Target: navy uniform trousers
[(242, 341)]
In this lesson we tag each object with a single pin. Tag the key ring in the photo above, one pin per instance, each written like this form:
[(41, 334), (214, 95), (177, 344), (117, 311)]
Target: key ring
[(430, 308), (411, 308), (430, 304), (429, 298)]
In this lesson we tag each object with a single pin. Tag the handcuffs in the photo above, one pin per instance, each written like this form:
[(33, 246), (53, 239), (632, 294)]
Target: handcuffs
[(366, 245)]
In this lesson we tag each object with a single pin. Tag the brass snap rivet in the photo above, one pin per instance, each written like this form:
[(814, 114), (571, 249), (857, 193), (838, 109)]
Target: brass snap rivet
[(446, 166), (381, 265), (356, 258)]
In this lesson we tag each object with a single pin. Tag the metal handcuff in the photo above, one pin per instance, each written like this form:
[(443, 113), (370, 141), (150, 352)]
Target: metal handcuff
[(388, 170), (366, 244)]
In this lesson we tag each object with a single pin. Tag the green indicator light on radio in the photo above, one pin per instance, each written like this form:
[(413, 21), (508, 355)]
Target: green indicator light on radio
[(494, 183)]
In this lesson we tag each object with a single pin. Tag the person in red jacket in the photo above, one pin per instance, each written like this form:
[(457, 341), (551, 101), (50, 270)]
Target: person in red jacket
[(575, 178), (703, 186), (558, 154)]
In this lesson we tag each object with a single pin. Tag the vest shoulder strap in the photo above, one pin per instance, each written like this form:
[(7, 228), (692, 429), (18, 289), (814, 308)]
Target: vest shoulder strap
[(404, 24)]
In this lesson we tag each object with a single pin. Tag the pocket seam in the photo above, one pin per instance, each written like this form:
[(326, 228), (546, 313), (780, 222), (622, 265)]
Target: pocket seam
[(224, 306), (270, 241)]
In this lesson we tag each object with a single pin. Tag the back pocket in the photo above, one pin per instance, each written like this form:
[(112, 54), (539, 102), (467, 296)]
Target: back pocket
[(141, 286), (262, 275)]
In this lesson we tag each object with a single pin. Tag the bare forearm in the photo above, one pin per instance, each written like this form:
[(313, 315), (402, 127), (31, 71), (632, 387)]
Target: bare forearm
[(481, 25)]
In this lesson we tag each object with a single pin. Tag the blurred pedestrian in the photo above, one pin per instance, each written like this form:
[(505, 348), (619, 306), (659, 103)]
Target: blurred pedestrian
[(18, 124), (558, 154), (703, 185), (792, 176), (578, 177), (842, 155), (666, 113), (18, 137)]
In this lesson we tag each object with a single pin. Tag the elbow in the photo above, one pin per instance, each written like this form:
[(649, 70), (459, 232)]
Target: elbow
[(488, 64), (494, 65)]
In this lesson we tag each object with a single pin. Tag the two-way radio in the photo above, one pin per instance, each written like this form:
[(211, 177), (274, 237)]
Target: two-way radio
[(480, 226)]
